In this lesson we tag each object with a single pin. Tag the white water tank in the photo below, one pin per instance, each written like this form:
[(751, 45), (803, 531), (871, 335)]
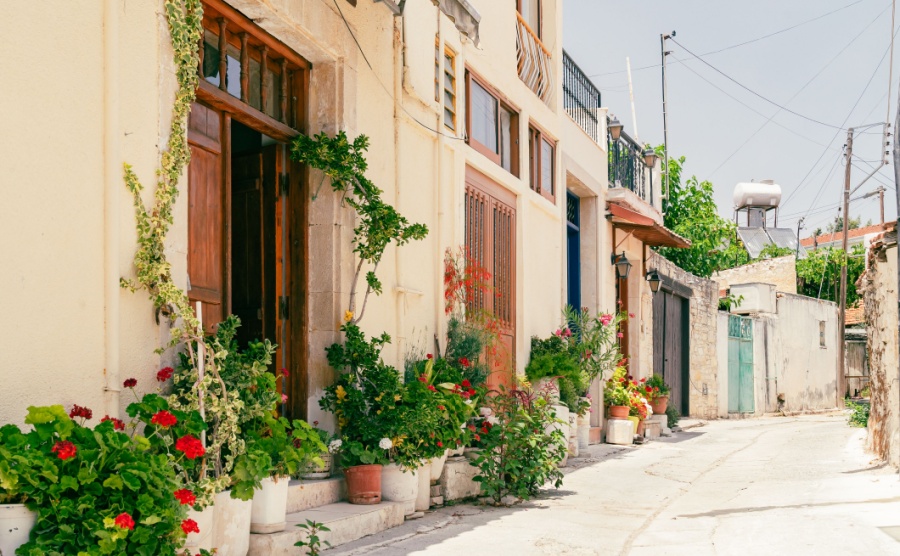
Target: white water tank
[(765, 193)]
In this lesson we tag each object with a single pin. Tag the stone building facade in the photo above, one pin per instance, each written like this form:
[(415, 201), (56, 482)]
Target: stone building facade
[(780, 272)]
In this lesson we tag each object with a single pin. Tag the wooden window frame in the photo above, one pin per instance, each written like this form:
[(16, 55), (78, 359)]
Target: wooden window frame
[(536, 139), (440, 72), (502, 103), (540, 17)]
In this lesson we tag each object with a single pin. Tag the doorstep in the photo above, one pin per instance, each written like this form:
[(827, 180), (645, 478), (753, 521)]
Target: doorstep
[(347, 522), (306, 494)]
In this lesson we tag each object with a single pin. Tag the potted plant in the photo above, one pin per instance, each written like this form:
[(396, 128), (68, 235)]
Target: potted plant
[(20, 467), (659, 396), (616, 395), (320, 467), (289, 446)]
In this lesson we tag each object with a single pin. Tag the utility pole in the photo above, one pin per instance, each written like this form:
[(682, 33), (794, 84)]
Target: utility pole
[(664, 53), (881, 203), (799, 225), (842, 314)]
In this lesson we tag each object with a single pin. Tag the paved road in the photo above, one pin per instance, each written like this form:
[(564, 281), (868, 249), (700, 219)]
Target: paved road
[(795, 486)]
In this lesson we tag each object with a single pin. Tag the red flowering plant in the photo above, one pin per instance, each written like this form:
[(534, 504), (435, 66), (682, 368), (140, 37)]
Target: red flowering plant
[(95, 490)]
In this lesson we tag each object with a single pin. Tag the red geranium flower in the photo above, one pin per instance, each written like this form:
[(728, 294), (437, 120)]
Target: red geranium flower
[(464, 362), (130, 383), (472, 427), (64, 450), (125, 521), (478, 438), (440, 407), (189, 526), (165, 374), (429, 356), (284, 372), (164, 419), (432, 388), (78, 411), (186, 497), (190, 445), (466, 383), (118, 424), (423, 379), (440, 444), (620, 335)]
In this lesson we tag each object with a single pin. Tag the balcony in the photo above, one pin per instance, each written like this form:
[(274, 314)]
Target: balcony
[(581, 99), (533, 61), (627, 169)]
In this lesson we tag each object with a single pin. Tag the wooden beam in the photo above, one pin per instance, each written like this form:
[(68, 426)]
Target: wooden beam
[(243, 113)]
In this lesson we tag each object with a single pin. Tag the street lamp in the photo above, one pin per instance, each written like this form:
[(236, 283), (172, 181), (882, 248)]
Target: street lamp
[(622, 264), (615, 128), (654, 280), (650, 157)]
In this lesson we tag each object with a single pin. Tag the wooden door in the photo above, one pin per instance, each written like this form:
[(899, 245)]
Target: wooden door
[(671, 340), (490, 230), (248, 253), (206, 214)]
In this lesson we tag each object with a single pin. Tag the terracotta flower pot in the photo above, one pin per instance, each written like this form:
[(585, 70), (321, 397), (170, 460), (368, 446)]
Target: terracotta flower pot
[(363, 484), (618, 412), (659, 405)]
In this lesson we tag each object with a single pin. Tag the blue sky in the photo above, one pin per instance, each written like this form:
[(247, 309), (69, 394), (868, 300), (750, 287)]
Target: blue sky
[(819, 69)]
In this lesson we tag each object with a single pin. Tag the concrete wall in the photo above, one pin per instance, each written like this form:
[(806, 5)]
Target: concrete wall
[(780, 272), (879, 288), (704, 333)]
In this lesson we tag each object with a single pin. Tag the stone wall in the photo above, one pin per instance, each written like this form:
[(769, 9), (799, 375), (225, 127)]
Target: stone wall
[(703, 359), (781, 272), (879, 289)]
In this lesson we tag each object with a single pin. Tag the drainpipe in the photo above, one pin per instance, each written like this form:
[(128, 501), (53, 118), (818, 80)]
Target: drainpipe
[(112, 175), (438, 205), (399, 64)]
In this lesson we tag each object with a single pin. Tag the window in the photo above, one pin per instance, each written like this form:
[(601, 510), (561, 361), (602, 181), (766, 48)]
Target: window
[(493, 126), (445, 84), (822, 333), (541, 152), (530, 10)]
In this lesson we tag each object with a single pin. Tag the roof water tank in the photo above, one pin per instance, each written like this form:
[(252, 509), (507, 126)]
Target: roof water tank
[(765, 193)]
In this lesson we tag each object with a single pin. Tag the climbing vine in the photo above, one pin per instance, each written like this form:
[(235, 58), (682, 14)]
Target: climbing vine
[(153, 270), (379, 224)]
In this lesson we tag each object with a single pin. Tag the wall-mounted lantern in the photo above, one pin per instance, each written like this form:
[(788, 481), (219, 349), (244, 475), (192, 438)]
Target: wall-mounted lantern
[(650, 157), (615, 128), (622, 264), (654, 280)]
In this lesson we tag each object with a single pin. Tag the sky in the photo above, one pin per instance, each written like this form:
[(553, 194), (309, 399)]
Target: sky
[(819, 69)]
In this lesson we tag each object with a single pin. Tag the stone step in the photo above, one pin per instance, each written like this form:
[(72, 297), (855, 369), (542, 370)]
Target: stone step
[(347, 522), (306, 494)]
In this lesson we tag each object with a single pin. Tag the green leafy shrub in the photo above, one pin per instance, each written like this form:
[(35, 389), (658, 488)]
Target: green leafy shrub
[(313, 542), (520, 450), (859, 414), (672, 415), (101, 492)]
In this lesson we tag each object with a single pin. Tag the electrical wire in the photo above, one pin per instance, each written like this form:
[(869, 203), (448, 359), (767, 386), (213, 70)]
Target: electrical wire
[(800, 90), (378, 79), (786, 29)]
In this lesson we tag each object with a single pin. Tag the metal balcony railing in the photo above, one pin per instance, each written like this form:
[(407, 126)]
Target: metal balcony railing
[(534, 61), (627, 168), (581, 99)]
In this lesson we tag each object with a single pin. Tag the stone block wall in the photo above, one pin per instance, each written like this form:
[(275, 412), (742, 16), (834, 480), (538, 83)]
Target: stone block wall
[(703, 358), (879, 288), (781, 272)]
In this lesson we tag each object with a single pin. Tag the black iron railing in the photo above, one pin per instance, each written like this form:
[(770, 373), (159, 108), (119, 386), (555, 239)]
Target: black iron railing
[(581, 99), (627, 168)]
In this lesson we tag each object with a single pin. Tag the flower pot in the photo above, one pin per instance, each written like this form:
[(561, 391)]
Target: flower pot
[(573, 438), (313, 471), (584, 431), (549, 386), (16, 522), (659, 405), (437, 466), (618, 412), (269, 506), (456, 452), (205, 539), (363, 484), (399, 485), (232, 525), (423, 493), (636, 421)]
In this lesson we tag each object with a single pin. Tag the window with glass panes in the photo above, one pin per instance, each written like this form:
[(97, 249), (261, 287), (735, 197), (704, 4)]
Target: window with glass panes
[(541, 153), (445, 83), (492, 125)]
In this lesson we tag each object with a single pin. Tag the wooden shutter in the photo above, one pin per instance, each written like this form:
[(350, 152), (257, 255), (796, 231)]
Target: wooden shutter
[(206, 214), (490, 231)]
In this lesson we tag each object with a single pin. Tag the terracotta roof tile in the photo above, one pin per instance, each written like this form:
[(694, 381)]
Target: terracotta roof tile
[(857, 232), (855, 315)]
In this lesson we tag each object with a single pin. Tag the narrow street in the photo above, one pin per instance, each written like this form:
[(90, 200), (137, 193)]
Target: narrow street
[(800, 485)]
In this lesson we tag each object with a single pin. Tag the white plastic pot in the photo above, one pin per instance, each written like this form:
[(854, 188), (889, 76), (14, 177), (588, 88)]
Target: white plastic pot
[(206, 523), (573, 435), (398, 485), (16, 522), (232, 525), (584, 431), (269, 506), (423, 493), (437, 466)]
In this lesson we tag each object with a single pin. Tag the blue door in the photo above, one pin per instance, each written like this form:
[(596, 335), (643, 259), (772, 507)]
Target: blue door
[(573, 250), (740, 365)]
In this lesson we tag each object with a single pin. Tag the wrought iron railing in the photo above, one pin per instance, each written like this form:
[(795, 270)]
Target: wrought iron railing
[(627, 168), (581, 99), (533, 61)]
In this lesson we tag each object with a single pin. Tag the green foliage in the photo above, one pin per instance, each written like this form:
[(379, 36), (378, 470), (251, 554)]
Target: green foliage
[(77, 499), (837, 225), (660, 387), (859, 414), (558, 357), (467, 341), (595, 340), (772, 251), (378, 224), (291, 446), (672, 415), (616, 391), (729, 301), (313, 542), (521, 449), (691, 212), (819, 274)]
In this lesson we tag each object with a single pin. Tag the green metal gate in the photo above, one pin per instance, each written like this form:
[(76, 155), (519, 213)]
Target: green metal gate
[(740, 364)]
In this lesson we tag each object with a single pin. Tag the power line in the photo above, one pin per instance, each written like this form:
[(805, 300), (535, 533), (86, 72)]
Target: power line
[(786, 29)]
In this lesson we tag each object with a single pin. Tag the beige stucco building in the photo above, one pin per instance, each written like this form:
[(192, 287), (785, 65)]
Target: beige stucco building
[(481, 127)]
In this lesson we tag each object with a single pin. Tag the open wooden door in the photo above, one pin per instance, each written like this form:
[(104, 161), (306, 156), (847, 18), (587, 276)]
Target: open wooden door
[(490, 215)]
